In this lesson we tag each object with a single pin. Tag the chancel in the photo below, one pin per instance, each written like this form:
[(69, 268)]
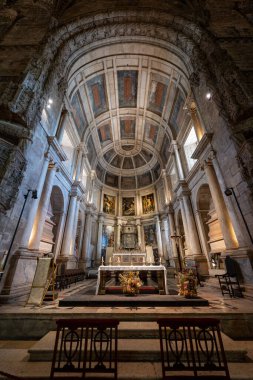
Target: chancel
[(126, 151)]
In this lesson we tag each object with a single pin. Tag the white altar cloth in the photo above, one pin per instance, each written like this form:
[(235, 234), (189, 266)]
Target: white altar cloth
[(131, 268)]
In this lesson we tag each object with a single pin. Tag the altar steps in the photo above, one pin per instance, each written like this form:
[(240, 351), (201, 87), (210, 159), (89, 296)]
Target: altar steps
[(138, 355)]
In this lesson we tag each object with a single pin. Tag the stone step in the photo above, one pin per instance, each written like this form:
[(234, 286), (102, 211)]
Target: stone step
[(126, 371), (134, 345)]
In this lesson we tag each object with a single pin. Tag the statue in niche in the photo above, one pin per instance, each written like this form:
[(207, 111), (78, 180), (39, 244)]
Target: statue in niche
[(148, 203), (128, 206), (109, 204)]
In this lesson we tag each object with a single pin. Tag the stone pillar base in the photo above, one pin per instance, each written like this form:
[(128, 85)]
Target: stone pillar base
[(201, 262), (70, 262), (20, 271), (244, 259)]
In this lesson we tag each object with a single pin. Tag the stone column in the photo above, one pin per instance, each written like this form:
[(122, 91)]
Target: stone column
[(99, 243), (172, 232), (184, 222), (193, 239), (34, 205), (164, 233), (158, 236), (138, 224), (195, 120), (86, 239), (178, 160), (79, 162), (60, 130), (220, 207), (167, 194), (38, 225), (68, 238), (118, 242)]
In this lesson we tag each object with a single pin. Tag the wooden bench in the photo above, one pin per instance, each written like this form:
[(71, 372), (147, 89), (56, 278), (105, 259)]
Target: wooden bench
[(192, 348)]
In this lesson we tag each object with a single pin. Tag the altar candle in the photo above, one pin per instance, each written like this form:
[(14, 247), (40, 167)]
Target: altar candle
[(102, 261), (110, 261), (160, 261)]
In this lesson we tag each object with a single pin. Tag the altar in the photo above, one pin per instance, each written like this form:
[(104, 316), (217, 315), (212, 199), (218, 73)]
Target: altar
[(104, 270)]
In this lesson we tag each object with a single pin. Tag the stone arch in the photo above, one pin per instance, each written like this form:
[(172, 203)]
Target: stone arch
[(204, 58)]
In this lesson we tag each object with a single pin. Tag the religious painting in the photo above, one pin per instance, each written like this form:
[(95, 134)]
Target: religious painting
[(150, 132), (97, 94), (127, 88), (157, 93), (109, 204), (127, 128), (177, 113), (108, 236), (148, 203), (78, 115), (105, 133), (150, 234), (128, 206), (165, 153), (91, 151)]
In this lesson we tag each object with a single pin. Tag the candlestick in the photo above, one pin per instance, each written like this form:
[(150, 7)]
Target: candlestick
[(102, 261), (160, 261), (110, 261)]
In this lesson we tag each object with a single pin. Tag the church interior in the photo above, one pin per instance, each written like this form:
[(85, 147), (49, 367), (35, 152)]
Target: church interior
[(126, 175)]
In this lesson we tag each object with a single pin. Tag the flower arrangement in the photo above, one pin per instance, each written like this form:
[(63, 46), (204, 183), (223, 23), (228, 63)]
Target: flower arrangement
[(131, 282), (187, 283)]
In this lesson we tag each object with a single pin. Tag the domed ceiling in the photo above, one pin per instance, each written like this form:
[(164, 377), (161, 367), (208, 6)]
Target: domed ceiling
[(127, 109)]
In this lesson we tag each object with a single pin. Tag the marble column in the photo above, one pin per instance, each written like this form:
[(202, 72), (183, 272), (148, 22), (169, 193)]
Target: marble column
[(38, 225), (69, 237), (165, 236), (184, 223), (99, 243), (118, 242), (178, 160), (195, 120), (172, 232), (220, 207), (158, 236), (60, 131), (167, 194), (34, 205), (138, 224), (193, 238), (79, 162), (86, 239)]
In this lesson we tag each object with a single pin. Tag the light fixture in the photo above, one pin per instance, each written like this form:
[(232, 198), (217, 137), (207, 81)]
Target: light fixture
[(50, 101), (208, 95), (230, 191), (48, 106)]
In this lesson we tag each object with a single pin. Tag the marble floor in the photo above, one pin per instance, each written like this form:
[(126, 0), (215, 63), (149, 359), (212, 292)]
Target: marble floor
[(26, 326)]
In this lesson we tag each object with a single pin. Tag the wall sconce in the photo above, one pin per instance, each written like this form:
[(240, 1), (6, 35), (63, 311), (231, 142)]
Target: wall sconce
[(230, 191), (34, 196), (49, 103)]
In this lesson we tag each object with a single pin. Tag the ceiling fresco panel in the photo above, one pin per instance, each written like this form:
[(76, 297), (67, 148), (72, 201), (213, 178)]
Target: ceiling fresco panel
[(117, 161), (105, 133), (78, 115), (165, 153), (177, 112), (91, 151), (150, 132), (97, 94), (127, 88), (144, 179), (127, 128), (157, 93), (100, 172)]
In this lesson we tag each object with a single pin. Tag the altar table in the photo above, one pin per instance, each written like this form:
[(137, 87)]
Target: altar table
[(160, 269)]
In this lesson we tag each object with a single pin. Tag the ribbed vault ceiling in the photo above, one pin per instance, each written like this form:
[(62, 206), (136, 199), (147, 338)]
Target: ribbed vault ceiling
[(127, 109)]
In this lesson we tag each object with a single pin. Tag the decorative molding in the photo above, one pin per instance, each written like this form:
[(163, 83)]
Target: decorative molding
[(202, 145), (53, 142)]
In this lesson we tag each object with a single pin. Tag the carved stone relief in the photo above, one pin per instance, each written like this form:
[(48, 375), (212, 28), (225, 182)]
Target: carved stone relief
[(12, 167)]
